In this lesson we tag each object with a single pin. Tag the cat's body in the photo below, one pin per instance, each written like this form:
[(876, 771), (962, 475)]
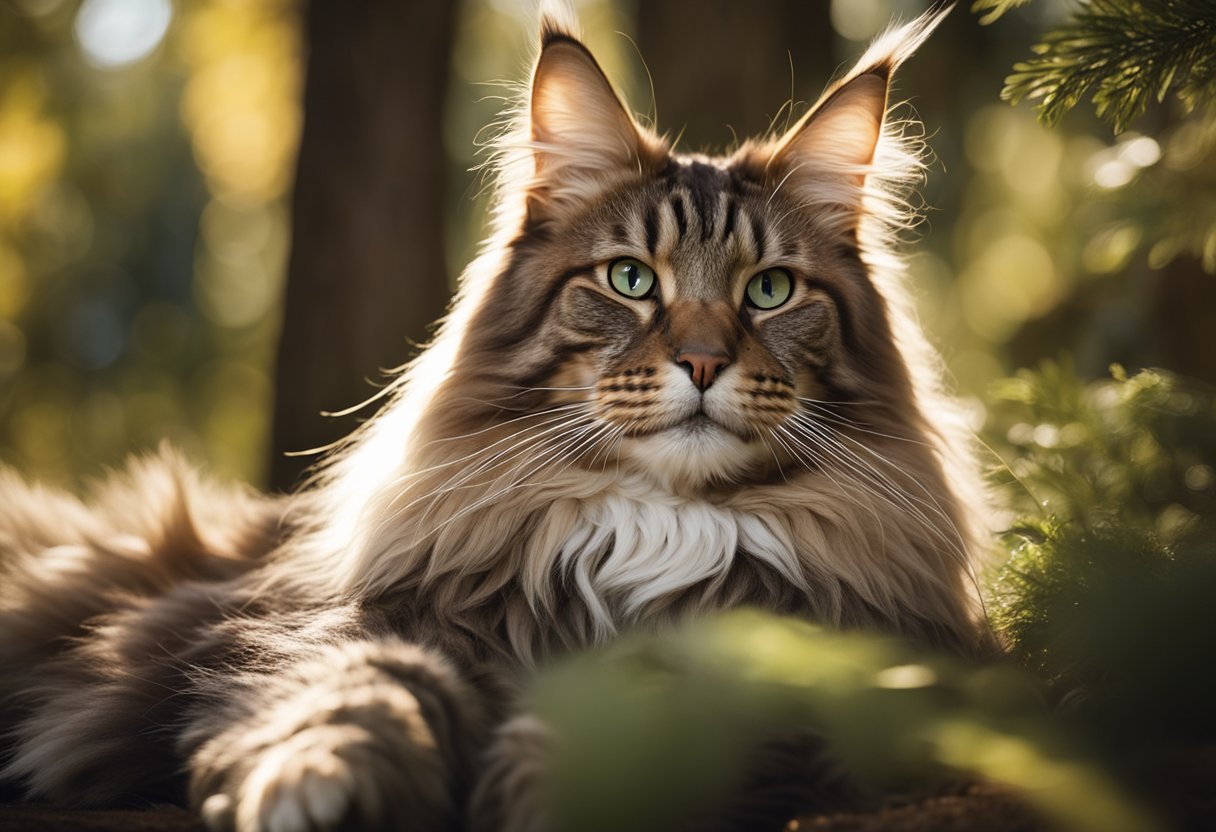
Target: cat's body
[(670, 385)]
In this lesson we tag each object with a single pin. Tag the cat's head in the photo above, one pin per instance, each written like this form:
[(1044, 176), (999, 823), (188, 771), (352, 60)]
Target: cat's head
[(681, 312)]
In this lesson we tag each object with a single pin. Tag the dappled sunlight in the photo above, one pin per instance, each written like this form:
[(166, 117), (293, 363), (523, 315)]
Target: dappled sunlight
[(31, 146), (128, 274)]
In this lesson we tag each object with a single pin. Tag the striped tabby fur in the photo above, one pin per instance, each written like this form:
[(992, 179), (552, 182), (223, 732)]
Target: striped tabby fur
[(562, 464)]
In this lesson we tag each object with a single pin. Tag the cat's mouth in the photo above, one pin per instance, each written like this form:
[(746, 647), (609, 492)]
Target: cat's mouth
[(693, 423), (700, 422)]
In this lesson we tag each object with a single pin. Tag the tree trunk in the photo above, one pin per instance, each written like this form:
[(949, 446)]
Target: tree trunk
[(366, 276), (720, 62)]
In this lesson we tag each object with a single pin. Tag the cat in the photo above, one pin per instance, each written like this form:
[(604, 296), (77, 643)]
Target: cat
[(669, 384)]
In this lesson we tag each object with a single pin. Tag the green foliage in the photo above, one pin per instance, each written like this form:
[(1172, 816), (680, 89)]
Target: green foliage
[(673, 715), (995, 8), (1137, 452), (1124, 54), (1107, 590), (1118, 623)]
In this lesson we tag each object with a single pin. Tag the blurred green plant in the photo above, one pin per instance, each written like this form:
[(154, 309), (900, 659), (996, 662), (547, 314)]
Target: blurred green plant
[(1107, 590), (1133, 450), (995, 8), (674, 715)]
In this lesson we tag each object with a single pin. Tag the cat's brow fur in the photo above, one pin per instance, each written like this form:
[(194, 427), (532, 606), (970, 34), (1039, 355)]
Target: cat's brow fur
[(541, 478)]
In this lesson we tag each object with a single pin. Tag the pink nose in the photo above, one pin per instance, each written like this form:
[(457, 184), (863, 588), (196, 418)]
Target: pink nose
[(702, 367)]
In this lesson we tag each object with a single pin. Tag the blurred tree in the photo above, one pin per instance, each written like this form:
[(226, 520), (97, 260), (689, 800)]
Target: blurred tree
[(366, 272), (700, 82)]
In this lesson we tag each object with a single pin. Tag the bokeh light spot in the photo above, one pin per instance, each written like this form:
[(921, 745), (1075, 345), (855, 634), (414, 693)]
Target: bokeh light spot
[(906, 676), (115, 33), (859, 19), (1199, 477), (1141, 151), (1112, 247)]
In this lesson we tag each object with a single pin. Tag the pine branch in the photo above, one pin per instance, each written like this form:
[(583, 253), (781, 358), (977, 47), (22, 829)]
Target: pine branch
[(995, 8), (1123, 54)]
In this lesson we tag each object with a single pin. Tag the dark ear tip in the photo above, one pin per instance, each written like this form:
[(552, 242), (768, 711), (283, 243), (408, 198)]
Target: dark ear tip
[(558, 37), (883, 70), (551, 32), (557, 24), (561, 49)]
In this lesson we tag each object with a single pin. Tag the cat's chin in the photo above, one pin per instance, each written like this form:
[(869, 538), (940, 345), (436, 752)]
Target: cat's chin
[(694, 453)]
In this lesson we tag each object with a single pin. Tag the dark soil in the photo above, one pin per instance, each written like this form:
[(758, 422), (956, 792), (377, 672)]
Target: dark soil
[(981, 809)]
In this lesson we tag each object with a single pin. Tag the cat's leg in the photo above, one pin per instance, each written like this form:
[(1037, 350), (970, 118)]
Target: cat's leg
[(364, 735), (510, 795)]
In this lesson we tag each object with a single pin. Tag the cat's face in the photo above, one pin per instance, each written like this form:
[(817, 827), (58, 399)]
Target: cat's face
[(688, 308), (696, 310)]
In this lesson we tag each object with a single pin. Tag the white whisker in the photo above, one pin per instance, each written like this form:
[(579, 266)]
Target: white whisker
[(955, 545)]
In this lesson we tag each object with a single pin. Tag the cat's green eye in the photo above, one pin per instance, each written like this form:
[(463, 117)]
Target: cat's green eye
[(631, 278), (770, 289)]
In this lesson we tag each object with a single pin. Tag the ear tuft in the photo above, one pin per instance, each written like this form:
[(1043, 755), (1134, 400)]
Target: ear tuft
[(583, 138), (828, 157), (898, 43), (558, 21)]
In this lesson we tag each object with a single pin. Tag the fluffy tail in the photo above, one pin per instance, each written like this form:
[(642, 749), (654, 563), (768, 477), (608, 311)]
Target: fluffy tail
[(64, 561)]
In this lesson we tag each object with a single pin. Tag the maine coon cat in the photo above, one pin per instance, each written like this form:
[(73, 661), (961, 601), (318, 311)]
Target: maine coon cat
[(670, 384)]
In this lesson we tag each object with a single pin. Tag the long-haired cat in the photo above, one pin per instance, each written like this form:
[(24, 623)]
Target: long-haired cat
[(670, 384)]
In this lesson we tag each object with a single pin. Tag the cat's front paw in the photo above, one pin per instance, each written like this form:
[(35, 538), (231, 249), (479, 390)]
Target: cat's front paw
[(326, 777), (369, 736), (308, 782)]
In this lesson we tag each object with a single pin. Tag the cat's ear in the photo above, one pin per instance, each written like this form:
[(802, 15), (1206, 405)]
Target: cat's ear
[(582, 136), (828, 155)]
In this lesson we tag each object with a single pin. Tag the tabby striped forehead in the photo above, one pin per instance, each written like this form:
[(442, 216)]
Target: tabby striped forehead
[(706, 217)]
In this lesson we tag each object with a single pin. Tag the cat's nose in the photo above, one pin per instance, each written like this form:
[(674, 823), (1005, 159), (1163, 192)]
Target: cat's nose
[(703, 367)]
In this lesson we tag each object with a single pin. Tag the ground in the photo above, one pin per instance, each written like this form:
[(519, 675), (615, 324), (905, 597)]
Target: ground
[(981, 809)]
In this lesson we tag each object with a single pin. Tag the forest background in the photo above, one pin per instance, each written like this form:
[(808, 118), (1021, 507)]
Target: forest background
[(148, 152)]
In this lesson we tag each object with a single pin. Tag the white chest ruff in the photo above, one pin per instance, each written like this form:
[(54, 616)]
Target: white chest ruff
[(632, 546)]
